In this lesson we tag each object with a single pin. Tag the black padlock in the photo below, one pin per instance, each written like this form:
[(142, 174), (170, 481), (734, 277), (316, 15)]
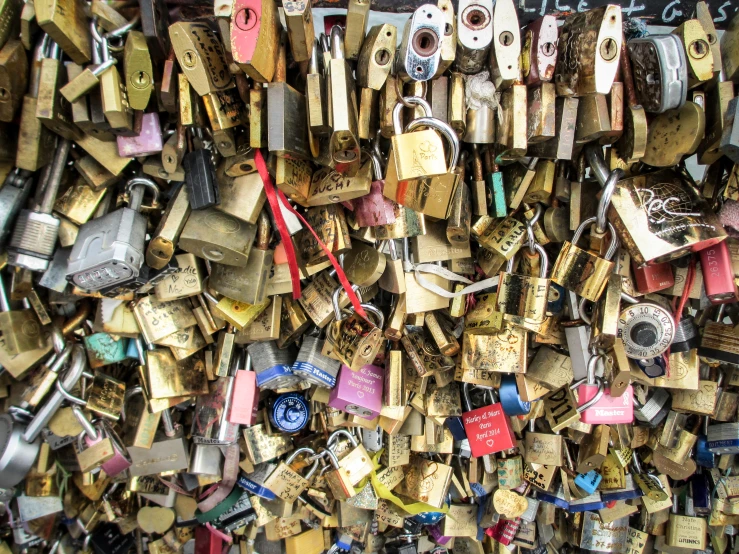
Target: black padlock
[(200, 179)]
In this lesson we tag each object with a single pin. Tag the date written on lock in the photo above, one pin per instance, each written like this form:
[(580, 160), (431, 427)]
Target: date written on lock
[(488, 430)]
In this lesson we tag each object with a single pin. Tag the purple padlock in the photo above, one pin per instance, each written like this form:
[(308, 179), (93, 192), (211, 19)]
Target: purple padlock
[(148, 141), (358, 392), (374, 209)]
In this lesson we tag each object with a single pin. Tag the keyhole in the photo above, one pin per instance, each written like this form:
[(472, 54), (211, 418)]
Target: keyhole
[(382, 57), (246, 167), (246, 19), (170, 160), (425, 42), (4, 94), (608, 49), (189, 59), (698, 49), (506, 38), (140, 80), (548, 49)]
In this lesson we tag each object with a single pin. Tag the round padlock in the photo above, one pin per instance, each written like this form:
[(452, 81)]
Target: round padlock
[(289, 412), (646, 329)]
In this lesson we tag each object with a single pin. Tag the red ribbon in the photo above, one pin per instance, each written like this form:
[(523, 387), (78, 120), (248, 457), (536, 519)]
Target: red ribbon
[(287, 241), (272, 197)]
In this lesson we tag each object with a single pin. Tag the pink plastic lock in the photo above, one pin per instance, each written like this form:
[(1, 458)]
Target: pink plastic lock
[(146, 143), (120, 460), (608, 409)]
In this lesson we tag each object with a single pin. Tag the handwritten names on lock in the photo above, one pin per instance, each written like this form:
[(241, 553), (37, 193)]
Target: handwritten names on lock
[(263, 447), (286, 483), (609, 537), (488, 430), (160, 319)]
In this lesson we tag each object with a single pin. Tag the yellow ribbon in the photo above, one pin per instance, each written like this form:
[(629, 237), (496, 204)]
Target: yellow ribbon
[(385, 493)]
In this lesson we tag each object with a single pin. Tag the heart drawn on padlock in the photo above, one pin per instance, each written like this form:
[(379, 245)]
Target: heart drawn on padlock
[(490, 442)]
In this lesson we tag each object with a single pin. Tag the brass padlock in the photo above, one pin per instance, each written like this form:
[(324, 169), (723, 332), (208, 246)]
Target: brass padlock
[(524, 298), (354, 339)]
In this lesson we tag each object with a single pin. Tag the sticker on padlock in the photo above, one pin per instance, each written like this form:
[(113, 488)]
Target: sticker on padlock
[(488, 428)]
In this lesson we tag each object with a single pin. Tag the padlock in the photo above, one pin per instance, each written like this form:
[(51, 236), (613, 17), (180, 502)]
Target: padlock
[(474, 36), (524, 298), (488, 429), (247, 284), (356, 462), (110, 250), (35, 233), (336, 478), (592, 35), (342, 108), (419, 54), (355, 340), (271, 365), (539, 52), (582, 271), (286, 483), (607, 409), (412, 184), (312, 366)]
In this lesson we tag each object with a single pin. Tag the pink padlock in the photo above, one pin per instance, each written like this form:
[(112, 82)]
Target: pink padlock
[(597, 406), (358, 392), (120, 460), (374, 209), (245, 396), (146, 143)]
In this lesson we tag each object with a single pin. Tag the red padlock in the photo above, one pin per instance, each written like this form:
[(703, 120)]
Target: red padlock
[(718, 273), (504, 531), (652, 278), (596, 405), (488, 428)]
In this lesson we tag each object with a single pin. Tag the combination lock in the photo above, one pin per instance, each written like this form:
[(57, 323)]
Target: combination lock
[(289, 412), (646, 329)]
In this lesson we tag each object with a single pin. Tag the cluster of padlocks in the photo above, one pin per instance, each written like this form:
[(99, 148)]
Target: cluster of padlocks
[(449, 287)]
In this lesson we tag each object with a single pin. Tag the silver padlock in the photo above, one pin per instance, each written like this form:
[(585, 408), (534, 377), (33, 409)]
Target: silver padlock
[(35, 233), (110, 249), (420, 50), (14, 195), (660, 72), (474, 35)]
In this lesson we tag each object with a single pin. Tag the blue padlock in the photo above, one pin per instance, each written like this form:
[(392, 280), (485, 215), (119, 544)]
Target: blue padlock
[(700, 492), (589, 481), (289, 412), (652, 367), (556, 301), (510, 399), (253, 482), (703, 456)]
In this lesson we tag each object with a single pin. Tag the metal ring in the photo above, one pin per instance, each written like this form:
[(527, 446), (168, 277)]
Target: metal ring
[(401, 97), (581, 308)]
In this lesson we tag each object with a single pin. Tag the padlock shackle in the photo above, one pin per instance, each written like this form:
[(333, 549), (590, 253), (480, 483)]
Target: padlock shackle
[(313, 67), (543, 264), (130, 393), (326, 453), (337, 43), (334, 437), (312, 453), (335, 300), (594, 156), (41, 419), (377, 313), (605, 199), (87, 427), (612, 247), (136, 196), (445, 129), (595, 399), (414, 101)]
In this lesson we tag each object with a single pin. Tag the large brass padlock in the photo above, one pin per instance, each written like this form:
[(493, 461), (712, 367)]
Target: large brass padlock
[(415, 158)]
